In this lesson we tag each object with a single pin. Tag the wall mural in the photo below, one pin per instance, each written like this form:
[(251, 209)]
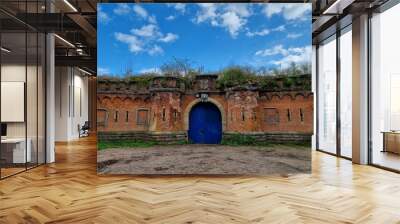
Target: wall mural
[(204, 88)]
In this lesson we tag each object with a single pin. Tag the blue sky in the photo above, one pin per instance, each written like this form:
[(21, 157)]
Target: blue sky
[(141, 37)]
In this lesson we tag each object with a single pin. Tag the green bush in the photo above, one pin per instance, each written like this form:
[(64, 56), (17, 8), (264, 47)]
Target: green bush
[(190, 78), (288, 82), (268, 83), (245, 140), (124, 144), (238, 139), (235, 76), (141, 80), (101, 145)]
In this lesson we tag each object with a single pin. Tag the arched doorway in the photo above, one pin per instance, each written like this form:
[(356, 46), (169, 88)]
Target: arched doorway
[(205, 124)]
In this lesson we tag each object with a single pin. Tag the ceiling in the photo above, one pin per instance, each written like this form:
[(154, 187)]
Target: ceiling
[(73, 21), (330, 15)]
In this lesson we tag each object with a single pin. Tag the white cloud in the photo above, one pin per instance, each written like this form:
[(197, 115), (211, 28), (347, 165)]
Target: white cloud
[(294, 35), (135, 45), (241, 10), (169, 37), (297, 11), (280, 28), (278, 49), (207, 12), (181, 7), (302, 55), (272, 9), (151, 31), (152, 19), (140, 11), (289, 55), (262, 32), (122, 9), (144, 39), (265, 32), (150, 70), (103, 17), (103, 71), (289, 11), (155, 50), (146, 31), (232, 17), (232, 22), (170, 18)]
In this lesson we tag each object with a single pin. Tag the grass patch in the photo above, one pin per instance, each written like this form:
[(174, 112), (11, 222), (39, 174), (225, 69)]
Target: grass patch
[(302, 144), (244, 140), (101, 145), (233, 140), (238, 140)]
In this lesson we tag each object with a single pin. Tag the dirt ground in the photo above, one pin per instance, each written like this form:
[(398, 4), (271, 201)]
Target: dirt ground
[(205, 159)]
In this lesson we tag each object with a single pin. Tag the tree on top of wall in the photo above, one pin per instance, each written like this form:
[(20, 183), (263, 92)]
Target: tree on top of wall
[(236, 76), (179, 67), (182, 68)]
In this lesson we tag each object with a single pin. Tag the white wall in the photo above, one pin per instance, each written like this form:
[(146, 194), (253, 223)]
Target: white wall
[(314, 90), (13, 101), (62, 82), (33, 126), (12, 73), (80, 100), (71, 93)]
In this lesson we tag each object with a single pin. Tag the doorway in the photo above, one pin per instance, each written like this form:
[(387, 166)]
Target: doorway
[(205, 124)]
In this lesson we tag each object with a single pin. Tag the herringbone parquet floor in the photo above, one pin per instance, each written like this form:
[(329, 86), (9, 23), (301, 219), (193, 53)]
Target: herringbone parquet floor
[(70, 191)]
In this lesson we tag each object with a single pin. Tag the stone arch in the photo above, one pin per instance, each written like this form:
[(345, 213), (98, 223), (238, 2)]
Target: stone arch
[(210, 100), (117, 98), (104, 100), (126, 102), (300, 96), (275, 96), (287, 96)]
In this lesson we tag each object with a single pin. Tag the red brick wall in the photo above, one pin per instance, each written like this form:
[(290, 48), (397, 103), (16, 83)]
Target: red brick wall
[(167, 112), (121, 104), (243, 108), (244, 111), (291, 103)]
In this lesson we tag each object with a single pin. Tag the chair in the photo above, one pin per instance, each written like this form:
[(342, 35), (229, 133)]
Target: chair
[(84, 130)]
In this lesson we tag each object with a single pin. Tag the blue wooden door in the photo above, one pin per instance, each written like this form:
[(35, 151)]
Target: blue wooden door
[(205, 126)]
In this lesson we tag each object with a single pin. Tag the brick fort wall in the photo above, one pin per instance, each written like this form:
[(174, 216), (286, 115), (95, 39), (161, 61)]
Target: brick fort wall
[(159, 111)]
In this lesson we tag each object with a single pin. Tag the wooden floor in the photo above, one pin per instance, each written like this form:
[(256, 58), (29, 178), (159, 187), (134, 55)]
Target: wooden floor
[(387, 159), (70, 191), (5, 172)]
